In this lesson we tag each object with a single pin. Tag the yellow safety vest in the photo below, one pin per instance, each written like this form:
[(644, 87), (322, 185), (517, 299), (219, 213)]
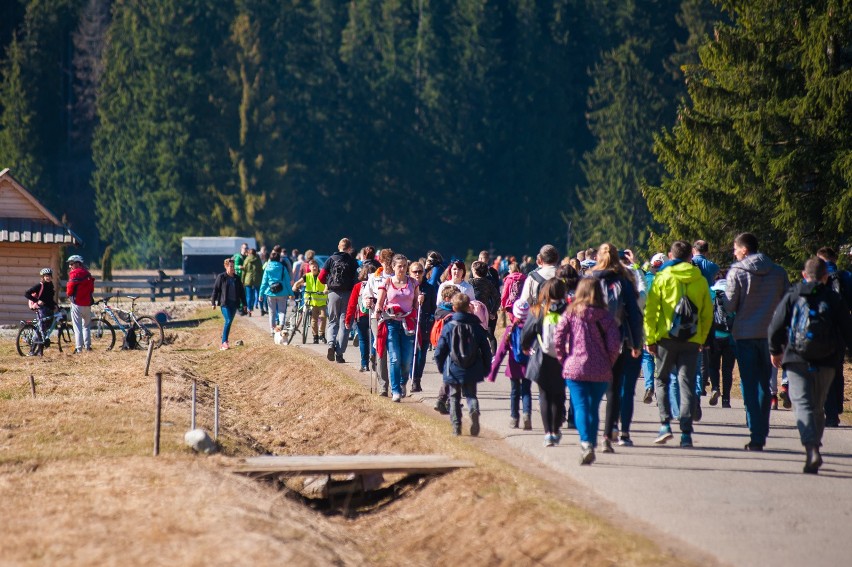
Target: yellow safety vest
[(313, 284)]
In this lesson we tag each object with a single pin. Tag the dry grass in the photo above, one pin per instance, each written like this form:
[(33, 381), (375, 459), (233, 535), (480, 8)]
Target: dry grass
[(77, 485)]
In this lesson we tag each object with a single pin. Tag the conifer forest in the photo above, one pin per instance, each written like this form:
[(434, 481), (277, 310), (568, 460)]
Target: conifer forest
[(446, 124)]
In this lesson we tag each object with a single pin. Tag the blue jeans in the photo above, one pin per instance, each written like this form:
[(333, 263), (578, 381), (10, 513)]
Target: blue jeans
[(277, 310), (400, 351), (586, 401), (251, 297), (630, 375), (648, 369), (755, 370), (228, 312), (362, 327), (520, 396)]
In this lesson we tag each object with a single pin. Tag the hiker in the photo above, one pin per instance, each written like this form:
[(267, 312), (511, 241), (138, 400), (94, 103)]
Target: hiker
[(239, 258), (678, 317), (358, 315), (42, 299), (315, 300), (229, 294), (339, 274), (754, 287), (396, 307), (841, 282), (79, 290), (369, 294), (462, 356), (809, 332), (487, 293), (513, 285), (492, 273), (543, 368), (547, 261), (622, 299), (252, 276), (722, 350), (651, 268), (443, 313), (434, 269), (275, 286), (427, 317), (520, 395), (454, 275), (588, 341)]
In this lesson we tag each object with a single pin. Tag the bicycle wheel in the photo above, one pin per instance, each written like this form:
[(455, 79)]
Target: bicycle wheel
[(294, 328), (149, 330), (102, 333), (306, 320), (27, 335)]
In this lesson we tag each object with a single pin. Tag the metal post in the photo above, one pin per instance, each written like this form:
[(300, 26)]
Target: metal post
[(216, 412), (194, 389), (150, 353), (159, 383), (32, 385)]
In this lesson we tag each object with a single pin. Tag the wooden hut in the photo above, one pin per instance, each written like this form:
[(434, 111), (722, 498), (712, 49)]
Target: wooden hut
[(31, 238)]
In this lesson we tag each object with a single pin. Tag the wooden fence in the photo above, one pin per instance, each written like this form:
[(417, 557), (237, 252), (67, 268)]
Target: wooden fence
[(185, 287)]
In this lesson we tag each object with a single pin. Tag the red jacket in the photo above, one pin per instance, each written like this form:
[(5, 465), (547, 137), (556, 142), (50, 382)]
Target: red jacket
[(80, 287), (353, 312)]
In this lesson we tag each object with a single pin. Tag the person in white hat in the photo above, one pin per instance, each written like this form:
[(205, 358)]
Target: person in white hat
[(80, 288), (651, 268)]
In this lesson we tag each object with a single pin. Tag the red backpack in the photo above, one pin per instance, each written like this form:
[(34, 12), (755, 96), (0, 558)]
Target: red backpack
[(437, 329)]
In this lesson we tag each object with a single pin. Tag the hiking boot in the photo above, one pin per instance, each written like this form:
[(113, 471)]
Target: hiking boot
[(625, 442), (726, 403), (339, 359), (474, 423), (513, 422), (784, 396), (330, 354), (752, 446), (415, 386), (587, 455), (833, 421), (607, 446), (527, 421), (649, 395), (441, 406), (316, 340), (773, 404), (813, 460), (664, 436), (686, 440), (548, 440), (714, 397)]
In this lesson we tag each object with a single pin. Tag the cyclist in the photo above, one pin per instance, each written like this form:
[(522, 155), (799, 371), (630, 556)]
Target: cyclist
[(81, 286), (42, 297)]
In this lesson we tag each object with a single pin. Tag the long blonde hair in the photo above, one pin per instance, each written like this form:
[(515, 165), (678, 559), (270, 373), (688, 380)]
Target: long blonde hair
[(608, 260)]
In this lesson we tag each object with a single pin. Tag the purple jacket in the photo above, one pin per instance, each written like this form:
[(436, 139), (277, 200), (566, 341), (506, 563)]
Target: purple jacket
[(514, 370), (587, 345)]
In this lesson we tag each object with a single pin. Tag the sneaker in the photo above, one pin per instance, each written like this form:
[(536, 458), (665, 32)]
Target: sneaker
[(527, 421), (396, 397), (557, 437), (607, 446), (316, 340), (513, 422), (363, 369), (330, 354), (548, 440), (323, 340), (774, 403), (784, 396), (339, 359), (587, 456), (457, 429), (402, 391), (686, 440), (474, 423), (442, 407), (726, 403), (415, 386), (649, 395), (223, 347), (665, 435), (625, 442), (751, 446), (714, 397)]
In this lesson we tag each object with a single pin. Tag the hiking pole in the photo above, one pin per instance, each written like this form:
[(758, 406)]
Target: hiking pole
[(370, 349), (416, 337)]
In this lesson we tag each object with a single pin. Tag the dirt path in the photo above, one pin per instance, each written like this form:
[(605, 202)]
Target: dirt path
[(715, 500)]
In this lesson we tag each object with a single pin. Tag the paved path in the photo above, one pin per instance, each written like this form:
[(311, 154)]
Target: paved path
[(742, 508)]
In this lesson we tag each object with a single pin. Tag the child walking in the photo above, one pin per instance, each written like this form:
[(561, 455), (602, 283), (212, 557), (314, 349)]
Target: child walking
[(316, 298), (587, 340), (520, 394)]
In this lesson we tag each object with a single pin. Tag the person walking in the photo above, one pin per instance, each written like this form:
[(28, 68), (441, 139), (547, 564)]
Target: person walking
[(809, 332), (252, 276), (79, 290), (678, 317), (520, 393), (229, 294), (722, 351), (547, 261), (485, 292), (315, 300), (339, 274), (454, 275), (427, 318), (841, 282), (754, 287), (277, 288), (358, 315)]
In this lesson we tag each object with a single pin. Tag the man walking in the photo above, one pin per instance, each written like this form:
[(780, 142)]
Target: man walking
[(339, 274), (807, 335), (755, 285), (841, 282), (675, 334), (547, 260)]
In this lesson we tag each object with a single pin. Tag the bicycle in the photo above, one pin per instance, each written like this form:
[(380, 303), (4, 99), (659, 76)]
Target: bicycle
[(31, 341), (138, 331), (301, 317)]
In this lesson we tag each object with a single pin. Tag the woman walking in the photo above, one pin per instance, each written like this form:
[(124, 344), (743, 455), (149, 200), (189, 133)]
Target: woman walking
[(252, 275), (229, 294), (454, 275), (277, 289)]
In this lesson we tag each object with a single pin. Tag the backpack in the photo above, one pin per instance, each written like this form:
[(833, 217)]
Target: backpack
[(515, 288), (464, 351), (437, 329), (337, 274), (515, 342), (614, 295), (812, 334), (685, 321), (722, 321)]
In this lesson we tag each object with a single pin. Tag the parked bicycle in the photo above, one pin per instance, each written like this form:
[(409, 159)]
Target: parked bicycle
[(301, 317), (31, 341), (138, 331)]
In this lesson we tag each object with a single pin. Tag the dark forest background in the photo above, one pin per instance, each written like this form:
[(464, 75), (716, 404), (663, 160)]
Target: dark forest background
[(448, 124)]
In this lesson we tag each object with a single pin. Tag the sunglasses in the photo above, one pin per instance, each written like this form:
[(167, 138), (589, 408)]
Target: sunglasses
[(416, 271)]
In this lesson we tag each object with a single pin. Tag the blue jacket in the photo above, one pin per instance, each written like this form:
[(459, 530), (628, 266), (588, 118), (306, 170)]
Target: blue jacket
[(456, 374), (708, 268), (276, 272)]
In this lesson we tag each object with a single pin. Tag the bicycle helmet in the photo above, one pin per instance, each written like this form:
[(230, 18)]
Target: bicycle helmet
[(75, 258), (46, 272)]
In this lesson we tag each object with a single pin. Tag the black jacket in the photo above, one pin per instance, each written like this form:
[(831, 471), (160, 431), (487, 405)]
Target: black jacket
[(220, 291), (48, 295), (780, 324)]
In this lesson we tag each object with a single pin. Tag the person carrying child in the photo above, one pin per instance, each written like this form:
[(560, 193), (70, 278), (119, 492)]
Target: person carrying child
[(520, 394), (315, 299), (462, 356), (42, 298), (587, 341)]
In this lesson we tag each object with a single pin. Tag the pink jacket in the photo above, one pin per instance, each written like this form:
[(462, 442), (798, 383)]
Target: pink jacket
[(587, 345)]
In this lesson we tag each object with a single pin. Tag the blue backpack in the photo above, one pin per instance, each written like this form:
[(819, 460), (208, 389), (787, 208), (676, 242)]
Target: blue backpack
[(515, 342)]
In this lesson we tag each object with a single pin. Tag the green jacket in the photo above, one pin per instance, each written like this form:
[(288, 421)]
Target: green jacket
[(252, 271), (665, 292)]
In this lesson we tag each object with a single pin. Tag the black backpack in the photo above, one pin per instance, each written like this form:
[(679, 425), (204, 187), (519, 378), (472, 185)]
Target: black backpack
[(337, 274), (685, 321), (464, 349), (812, 332), (722, 321)]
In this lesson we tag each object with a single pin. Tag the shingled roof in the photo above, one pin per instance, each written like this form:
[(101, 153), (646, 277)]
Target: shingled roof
[(31, 222)]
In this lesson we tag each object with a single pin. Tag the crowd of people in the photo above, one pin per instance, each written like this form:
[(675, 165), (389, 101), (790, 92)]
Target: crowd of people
[(591, 324)]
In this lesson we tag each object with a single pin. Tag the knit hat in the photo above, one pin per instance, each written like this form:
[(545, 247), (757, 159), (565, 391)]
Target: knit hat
[(520, 310)]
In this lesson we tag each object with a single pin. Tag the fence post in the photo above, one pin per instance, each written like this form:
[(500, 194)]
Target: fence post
[(159, 382), (191, 287), (194, 389), (216, 412), (32, 385), (148, 360), (172, 296), (153, 292)]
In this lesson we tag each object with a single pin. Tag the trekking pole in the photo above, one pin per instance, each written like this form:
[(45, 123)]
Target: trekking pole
[(370, 349), (416, 337)]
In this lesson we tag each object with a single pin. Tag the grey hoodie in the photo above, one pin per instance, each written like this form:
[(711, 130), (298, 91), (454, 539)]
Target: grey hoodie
[(755, 286)]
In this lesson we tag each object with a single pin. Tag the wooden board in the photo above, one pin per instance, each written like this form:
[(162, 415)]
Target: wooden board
[(359, 464)]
